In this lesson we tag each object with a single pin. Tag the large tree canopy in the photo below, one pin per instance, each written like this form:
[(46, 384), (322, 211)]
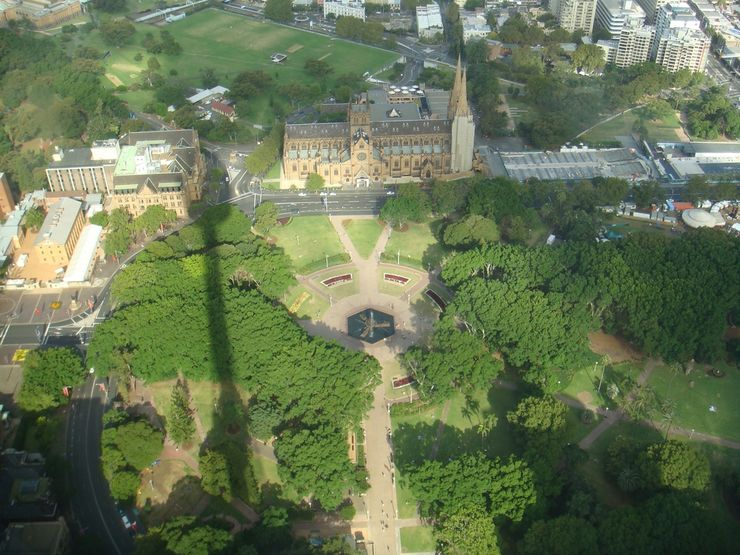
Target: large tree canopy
[(45, 374)]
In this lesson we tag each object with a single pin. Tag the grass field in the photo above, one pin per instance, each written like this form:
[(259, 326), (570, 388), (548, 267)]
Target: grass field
[(661, 130), (417, 539), (417, 246), (229, 44), (305, 304), (694, 394), (363, 233), (307, 239), (585, 382)]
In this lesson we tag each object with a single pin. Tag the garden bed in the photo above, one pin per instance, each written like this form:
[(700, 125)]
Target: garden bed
[(337, 280), (441, 304), (403, 381), (396, 279)]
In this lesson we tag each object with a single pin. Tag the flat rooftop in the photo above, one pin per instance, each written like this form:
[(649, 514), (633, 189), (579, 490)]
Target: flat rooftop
[(59, 221), (573, 164), (78, 157)]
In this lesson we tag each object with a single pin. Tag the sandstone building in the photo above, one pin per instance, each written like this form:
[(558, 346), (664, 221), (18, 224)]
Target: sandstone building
[(392, 135)]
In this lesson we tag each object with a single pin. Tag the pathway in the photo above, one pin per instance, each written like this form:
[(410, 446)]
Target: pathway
[(615, 416), (380, 520)]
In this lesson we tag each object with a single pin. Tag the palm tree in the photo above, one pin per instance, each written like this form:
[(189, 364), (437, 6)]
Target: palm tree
[(629, 479)]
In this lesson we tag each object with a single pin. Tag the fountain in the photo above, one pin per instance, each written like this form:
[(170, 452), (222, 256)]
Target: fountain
[(371, 325)]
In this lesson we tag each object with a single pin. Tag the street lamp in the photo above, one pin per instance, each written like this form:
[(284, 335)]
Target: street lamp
[(326, 255)]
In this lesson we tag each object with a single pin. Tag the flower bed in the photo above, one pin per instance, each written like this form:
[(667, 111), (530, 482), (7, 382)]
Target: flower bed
[(398, 383), (394, 278), (436, 299), (337, 280)]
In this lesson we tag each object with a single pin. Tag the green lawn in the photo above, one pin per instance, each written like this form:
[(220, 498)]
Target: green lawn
[(364, 234), (228, 44), (307, 240), (417, 246), (661, 130), (273, 489), (694, 394), (585, 382), (274, 172), (416, 539)]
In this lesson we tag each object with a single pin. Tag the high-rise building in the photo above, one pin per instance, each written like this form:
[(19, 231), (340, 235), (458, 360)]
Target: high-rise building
[(634, 45), (682, 48), (675, 15), (614, 15), (575, 14), (651, 8)]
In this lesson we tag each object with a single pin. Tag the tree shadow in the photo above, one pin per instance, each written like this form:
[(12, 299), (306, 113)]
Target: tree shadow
[(228, 434)]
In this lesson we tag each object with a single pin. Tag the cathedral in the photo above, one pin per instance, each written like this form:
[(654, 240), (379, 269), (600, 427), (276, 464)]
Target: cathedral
[(392, 135)]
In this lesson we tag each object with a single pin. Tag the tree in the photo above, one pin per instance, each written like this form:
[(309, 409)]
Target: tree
[(314, 182), (318, 69), (674, 464), (697, 189), (185, 535), (648, 193), (180, 424), (124, 485), (263, 417), (34, 218), (110, 5), (265, 217), (471, 230), (214, 472), (45, 374), (315, 461), (153, 63), (656, 110), (468, 532), (154, 218), (279, 10), (449, 196), (504, 488), (100, 218), (589, 57), (565, 535), (119, 233), (117, 32), (139, 443), (409, 204)]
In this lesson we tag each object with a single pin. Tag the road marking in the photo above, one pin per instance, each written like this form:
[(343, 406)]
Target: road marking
[(89, 472)]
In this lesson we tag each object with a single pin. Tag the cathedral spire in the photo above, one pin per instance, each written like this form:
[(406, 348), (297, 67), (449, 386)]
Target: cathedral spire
[(462, 108), (455, 94)]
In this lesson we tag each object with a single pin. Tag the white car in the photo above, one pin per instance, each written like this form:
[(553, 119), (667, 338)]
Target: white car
[(332, 194), (391, 193), (302, 194)]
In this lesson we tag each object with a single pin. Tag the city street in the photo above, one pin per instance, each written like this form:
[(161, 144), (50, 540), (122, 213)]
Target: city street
[(295, 203)]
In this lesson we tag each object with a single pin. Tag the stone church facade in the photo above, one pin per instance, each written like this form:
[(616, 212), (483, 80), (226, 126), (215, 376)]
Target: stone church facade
[(391, 135)]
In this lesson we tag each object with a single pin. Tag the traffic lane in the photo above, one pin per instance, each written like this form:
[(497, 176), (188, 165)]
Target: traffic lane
[(93, 506)]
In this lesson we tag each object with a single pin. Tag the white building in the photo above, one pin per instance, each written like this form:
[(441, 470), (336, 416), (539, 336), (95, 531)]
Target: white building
[(675, 15), (214, 93), (634, 45), (651, 8), (474, 26), (574, 14), (682, 48), (345, 8), (429, 20), (610, 49), (614, 15)]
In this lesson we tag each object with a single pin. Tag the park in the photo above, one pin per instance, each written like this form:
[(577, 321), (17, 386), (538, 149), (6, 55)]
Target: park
[(229, 44)]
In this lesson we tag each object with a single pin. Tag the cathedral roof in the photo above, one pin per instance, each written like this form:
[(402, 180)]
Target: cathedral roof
[(317, 130)]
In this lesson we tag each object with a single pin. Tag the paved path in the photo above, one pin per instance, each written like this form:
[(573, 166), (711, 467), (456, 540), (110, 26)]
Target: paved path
[(380, 521), (615, 416)]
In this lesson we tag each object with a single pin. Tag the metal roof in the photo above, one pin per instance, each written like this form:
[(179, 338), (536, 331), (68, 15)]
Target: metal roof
[(59, 222)]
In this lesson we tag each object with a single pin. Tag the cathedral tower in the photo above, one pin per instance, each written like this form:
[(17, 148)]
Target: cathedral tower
[(463, 126)]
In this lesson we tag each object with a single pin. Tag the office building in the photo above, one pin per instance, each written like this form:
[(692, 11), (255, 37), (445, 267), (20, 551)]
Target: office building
[(344, 8), (84, 169), (682, 48), (575, 14), (610, 49), (157, 167), (614, 15), (651, 8), (474, 25), (634, 45), (429, 21), (60, 231), (41, 13), (674, 15)]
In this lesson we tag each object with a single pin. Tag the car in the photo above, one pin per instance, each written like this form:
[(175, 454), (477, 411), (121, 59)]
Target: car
[(130, 527), (227, 179), (391, 193), (315, 539), (332, 194), (302, 194)]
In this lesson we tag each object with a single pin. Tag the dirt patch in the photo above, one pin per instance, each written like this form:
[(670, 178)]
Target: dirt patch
[(585, 397), (617, 348), (295, 48), (346, 223), (325, 56), (113, 79), (130, 68)]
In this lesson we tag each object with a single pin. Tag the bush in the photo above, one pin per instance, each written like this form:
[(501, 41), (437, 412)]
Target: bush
[(347, 512)]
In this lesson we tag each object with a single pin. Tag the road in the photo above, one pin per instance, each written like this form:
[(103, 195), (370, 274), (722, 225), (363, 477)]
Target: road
[(91, 502), (350, 203)]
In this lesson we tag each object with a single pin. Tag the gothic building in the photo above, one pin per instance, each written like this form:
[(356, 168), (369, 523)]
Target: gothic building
[(395, 134)]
